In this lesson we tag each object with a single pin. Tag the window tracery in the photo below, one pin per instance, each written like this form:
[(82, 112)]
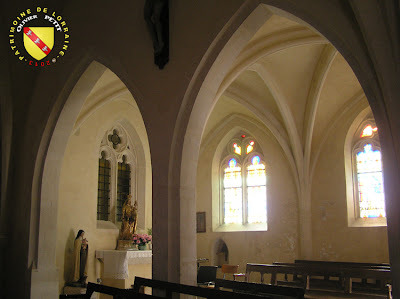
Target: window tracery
[(118, 161), (244, 194)]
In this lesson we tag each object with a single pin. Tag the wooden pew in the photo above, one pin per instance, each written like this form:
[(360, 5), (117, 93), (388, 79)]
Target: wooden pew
[(343, 273), (170, 288), (257, 288), (115, 292), (382, 275), (348, 266), (331, 270), (291, 269)]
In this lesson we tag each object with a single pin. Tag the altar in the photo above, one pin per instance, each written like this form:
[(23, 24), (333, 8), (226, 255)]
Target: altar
[(118, 268)]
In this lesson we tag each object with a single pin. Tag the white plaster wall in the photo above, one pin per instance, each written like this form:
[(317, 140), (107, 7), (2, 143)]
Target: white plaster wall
[(333, 239), (280, 242), (78, 186)]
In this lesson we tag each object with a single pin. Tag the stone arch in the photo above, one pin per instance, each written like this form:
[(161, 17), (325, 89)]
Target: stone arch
[(45, 187), (220, 253), (42, 252), (200, 99)]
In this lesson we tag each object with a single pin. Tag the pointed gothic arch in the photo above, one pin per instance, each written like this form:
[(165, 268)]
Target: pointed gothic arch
[(45, 194), (201, 96)]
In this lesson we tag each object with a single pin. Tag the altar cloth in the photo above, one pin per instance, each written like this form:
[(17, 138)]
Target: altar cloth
[(116, 261)]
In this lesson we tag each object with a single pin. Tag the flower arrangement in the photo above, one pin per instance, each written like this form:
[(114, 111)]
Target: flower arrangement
[(141, 239)]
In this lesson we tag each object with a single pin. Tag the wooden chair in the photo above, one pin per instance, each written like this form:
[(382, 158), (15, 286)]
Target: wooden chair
[(230, 269), (206, 275)]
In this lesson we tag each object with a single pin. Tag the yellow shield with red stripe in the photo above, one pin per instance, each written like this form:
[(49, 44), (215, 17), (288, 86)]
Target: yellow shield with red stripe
[(38, 41)]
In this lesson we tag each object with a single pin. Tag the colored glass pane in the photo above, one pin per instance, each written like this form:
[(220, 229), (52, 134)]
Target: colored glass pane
[(123, 187), (237, 149), (250, 147), (233, 193), (256, 192), (103, 189), (368, 131), (232, 163), (255, 160), (370, 183)]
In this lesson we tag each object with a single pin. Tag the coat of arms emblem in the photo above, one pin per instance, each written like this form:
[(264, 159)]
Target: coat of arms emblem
[(38, 41)]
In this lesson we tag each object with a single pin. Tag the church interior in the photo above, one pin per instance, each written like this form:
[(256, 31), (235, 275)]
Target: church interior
[(270, 135)]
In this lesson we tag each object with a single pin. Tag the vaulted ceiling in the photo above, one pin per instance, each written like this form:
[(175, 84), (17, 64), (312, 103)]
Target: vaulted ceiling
[(291, 79)]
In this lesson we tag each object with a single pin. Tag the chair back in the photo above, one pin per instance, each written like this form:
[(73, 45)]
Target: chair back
[(207, 274), (229, 269)]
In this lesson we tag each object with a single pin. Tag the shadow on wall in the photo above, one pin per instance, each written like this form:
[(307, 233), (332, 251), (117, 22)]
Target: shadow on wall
[(69, 257), (220, 253)]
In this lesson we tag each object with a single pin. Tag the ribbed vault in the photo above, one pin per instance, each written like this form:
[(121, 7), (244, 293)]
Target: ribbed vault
[(291, 80)]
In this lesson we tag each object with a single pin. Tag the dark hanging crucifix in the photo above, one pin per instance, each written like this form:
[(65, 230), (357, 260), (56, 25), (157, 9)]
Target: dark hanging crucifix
[(156, 14)]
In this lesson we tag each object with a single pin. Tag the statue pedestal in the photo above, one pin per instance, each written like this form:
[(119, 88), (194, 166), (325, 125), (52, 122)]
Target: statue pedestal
[(126, 245), (68, 290)]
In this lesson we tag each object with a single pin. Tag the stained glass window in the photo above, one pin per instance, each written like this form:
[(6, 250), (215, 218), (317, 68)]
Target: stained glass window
[(103, 189), (123, 186), (256, 192), (244, 188), (250, 147), (369, 131), (233, 193), (237, 149), (370, 183)]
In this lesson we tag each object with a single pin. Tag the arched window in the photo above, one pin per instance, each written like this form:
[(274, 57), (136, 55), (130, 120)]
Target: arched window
[(233, 202), (368, 177), (116, 178), (243, 174), (103, 190), (364, 177), (123, 185), (256, 191)]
